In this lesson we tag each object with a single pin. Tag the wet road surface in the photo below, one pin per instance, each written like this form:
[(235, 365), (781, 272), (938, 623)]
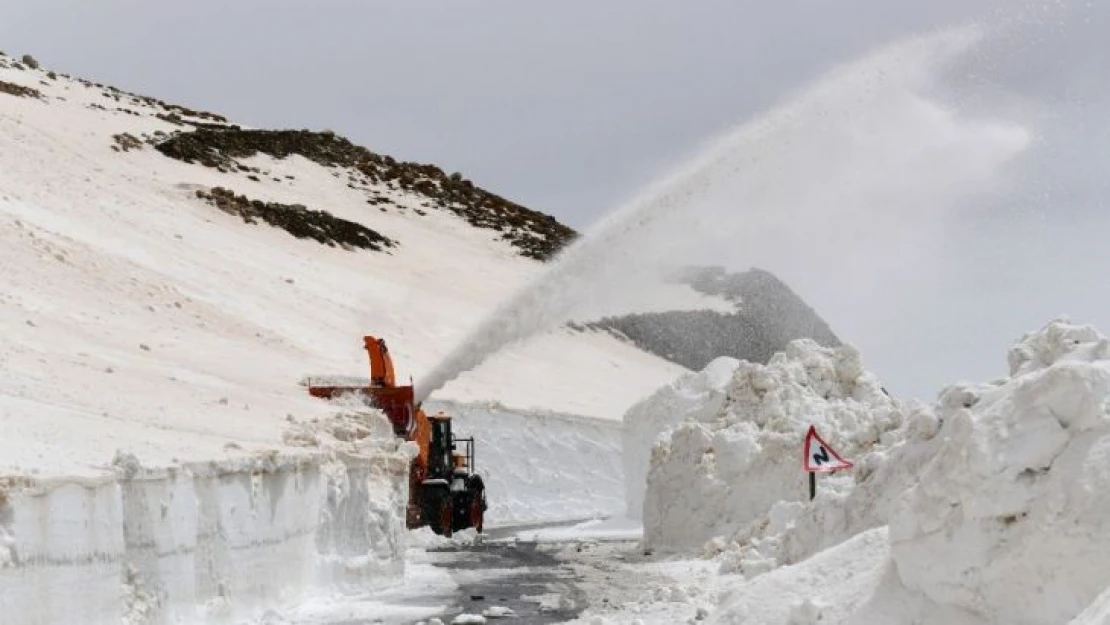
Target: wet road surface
[(525, 577)]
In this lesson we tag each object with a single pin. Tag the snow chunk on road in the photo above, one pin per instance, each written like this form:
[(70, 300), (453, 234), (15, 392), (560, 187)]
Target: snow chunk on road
[(823, 589), (425, 538)]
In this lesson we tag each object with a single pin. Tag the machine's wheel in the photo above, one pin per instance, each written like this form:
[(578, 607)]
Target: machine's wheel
[(476, 509), (477, 514), (447, 517), (435, 505)]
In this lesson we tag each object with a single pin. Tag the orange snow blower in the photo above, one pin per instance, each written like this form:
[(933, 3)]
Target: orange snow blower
[(444, 491)]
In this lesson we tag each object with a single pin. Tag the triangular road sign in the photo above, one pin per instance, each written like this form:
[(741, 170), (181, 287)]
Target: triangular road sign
[(819, 456)]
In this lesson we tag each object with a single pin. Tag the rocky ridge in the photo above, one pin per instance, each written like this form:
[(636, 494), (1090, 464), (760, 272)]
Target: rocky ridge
[(769, 315), (211, 140)]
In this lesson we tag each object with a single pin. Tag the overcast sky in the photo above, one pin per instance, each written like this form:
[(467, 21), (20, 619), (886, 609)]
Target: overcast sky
[(570, 107), (565, 106)]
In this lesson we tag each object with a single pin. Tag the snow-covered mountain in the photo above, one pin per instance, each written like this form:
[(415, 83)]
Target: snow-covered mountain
[(766, 316), (169, 277)]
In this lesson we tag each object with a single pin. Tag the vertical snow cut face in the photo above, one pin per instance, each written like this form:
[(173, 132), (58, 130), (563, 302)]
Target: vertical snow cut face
[(693, 396), (209, 542), (720, 470), (1009, 519)]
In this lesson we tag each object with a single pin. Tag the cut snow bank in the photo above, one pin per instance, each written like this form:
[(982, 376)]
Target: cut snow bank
[(983, 508), (1009, 519), (541, 466), (720, 470), (693, 396), (212, 541)]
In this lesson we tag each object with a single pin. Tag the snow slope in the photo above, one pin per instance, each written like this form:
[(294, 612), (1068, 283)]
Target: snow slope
[(542, 466), (134, 315), (158, 453)]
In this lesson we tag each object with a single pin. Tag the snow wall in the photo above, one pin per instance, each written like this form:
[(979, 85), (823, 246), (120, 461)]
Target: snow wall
[(1010, 518), (692, 396), (987, 504), (721, 469), (219, 541), (542, 466), (206, 542)]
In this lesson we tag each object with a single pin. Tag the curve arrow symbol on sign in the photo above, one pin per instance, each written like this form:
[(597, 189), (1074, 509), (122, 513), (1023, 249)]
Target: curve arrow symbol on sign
[(819, 456)]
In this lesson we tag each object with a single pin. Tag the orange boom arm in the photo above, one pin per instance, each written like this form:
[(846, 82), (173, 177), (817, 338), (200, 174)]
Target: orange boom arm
[(381, 364)]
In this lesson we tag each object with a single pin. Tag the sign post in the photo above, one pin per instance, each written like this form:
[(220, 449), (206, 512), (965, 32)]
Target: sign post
[(819, 456)]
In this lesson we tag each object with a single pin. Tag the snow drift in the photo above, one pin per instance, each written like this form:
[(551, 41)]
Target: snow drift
[(983, 508), (1009, 520), (718, 471)]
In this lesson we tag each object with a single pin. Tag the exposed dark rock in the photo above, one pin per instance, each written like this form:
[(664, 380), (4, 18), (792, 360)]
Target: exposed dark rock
[(30, 61), (125, 142), (299, 221), (19, 90), (535, 234), (769, 316)]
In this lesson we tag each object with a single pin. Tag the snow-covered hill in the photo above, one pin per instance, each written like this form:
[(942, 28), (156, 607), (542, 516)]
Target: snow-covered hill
[(168, 280), (142, 310)]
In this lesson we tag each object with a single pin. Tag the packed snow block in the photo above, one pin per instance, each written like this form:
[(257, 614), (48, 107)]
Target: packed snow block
[(692, 396), (160, 535), (264, 520), (361, 538), (211, 540), (61, 553), (718, 471), (1010, 518), (541, 466), (792, 531)]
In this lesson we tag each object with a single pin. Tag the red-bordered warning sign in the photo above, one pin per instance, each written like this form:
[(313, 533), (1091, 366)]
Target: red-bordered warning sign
[(819, 456)]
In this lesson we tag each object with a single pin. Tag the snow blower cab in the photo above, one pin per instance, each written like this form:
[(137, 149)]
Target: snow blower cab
[(444, 491)]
